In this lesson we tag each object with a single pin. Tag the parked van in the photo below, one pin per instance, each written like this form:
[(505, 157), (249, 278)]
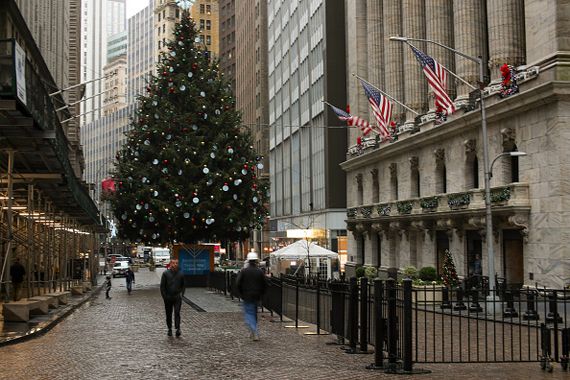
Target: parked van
[(161, 256)]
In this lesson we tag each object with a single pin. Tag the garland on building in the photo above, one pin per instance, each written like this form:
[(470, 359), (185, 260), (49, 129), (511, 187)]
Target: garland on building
[(449, 276), (393, 131), (440, 115), (509, 84)]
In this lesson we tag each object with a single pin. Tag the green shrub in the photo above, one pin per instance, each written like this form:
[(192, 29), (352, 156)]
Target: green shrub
[(360, 272), (370, 272), (428, 274), (410, 271)]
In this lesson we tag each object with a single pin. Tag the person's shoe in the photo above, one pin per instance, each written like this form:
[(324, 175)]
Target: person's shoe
[(255, 337), (178, 333), (169, 332)]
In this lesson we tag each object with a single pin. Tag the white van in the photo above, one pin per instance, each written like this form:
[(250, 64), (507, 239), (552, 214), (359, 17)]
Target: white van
[(161, 256)]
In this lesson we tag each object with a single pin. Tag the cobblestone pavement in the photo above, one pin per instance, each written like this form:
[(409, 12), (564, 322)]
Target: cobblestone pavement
[(125, 338)]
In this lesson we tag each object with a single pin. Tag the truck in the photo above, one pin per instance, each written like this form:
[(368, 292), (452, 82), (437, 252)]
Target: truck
[(161, 256)]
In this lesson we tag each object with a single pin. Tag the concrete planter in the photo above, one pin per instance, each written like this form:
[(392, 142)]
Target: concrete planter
[(427, 293)]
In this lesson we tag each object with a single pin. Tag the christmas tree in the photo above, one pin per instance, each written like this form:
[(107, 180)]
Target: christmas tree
[(188, 170), (449, 272)]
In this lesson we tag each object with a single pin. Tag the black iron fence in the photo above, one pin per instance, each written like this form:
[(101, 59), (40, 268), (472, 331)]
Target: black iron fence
[(410, 324)]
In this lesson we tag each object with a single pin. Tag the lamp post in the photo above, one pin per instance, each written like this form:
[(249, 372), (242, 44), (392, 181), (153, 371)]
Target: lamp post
[(486, 166), (511, 154)]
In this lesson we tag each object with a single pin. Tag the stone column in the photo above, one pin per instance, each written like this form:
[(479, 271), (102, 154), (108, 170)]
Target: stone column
[(439, 28), (415, 85), (357, 61), (506, 35), (393, 55), (470, 32), (375, 44)]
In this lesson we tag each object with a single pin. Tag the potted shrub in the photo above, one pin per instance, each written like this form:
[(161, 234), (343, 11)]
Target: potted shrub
[(428, 286)]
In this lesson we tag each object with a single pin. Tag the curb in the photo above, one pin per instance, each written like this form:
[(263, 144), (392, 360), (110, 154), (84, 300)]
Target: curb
[(52, 323)]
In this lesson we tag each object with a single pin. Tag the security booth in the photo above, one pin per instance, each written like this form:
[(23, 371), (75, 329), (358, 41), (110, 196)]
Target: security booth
[(305, 258)]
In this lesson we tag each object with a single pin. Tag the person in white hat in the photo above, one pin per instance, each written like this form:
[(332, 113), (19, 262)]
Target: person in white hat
[(251, 286)]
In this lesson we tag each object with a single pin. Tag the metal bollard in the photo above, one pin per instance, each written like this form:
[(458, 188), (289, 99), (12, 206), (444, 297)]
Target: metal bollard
[(379, 326), (363, 314), (392, 323), (445, 303), (407, 326), (510, 311), (459, 305), (474, 307), (530, 314), (296, 303), (352, 316), (553, 316)]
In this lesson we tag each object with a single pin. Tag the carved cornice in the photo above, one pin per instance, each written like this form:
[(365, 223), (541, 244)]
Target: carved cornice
[(374, 173), (520, 221), (508, 135), (470, 146)]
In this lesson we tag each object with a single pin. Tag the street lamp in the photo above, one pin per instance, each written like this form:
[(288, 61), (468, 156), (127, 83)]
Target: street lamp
[(511, 154), (486, 166)]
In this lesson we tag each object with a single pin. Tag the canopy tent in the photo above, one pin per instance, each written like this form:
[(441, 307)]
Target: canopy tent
[(323, 261), (298, 251)]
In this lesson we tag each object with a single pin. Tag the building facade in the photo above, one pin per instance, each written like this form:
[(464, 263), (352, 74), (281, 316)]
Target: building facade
[(100, 20), (306, 66), (206, 15), (140, 51), (166, 14), (251, 87), (228, 40), (411, 200)]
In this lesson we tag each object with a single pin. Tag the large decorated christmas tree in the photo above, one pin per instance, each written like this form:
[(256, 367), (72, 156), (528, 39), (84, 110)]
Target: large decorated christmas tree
[(188, 170)]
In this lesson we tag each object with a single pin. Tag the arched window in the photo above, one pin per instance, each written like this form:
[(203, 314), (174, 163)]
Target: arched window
[(440, 172), (375, 186), (393, 181), (414, 177), (510, 165), (359, 190)]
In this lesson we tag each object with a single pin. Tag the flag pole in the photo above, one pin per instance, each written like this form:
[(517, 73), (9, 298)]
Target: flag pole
[(449, 71), (385, 94)]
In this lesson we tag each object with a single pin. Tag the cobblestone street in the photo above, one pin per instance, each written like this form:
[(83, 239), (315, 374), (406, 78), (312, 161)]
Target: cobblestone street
[(125, 338)]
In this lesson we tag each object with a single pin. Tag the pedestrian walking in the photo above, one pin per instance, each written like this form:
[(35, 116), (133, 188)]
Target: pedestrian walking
[(130, 277), (107, 287), (17, 273), (172, 290), (251, 285)]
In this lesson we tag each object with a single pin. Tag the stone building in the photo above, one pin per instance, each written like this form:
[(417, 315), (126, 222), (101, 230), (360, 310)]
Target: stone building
[(411, 199)]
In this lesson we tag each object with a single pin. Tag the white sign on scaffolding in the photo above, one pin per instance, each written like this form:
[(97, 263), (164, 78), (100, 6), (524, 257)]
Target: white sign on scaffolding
[(20, 66)]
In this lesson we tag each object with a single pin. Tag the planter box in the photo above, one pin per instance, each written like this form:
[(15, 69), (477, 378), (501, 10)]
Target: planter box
[(427, 293)]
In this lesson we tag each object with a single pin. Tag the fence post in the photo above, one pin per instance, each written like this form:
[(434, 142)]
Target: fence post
[(296, 303), (459, 305), (474, 307), (553, 316), (318, 308), (363, 314), (392, 323), (510, 311), (379, 326), (445, 303), (352, 316), (407, 362)]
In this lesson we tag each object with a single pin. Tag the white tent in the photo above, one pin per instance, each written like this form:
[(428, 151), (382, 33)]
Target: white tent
[(284, 258)]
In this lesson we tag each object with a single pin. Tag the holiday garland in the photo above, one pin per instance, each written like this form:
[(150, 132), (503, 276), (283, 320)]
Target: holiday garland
[(509, 84)]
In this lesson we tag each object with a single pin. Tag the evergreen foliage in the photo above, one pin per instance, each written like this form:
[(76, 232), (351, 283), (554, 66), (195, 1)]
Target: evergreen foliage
[(449, 276), (188, 171)]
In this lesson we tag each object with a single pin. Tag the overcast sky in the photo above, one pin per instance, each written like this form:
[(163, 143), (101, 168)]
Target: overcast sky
[(133, 6)]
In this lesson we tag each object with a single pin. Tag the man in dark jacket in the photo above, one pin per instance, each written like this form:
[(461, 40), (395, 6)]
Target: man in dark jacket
[(17, 273), (251, 286), (130, 277), (172, 290)]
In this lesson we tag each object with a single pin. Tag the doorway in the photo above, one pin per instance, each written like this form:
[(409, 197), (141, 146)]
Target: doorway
[(474, 251), (513, 258), (441, 245)]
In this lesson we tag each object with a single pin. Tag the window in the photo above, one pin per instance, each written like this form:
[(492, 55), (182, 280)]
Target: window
[(208, 25), (201, 8), (440, 172), (202, 23), (359, 190), (208, 9), (393, 181), (208, 40), (414, 177), (177, 13), (375, 186)]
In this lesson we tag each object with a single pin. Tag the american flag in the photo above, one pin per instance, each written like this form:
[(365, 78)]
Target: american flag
[(364, 125), (437, 80), (381, 108)]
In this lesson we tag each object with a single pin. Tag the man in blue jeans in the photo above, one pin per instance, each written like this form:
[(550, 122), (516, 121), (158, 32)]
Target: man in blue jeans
[(251, 286)]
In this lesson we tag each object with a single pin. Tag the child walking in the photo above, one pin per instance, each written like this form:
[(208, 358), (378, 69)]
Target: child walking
[(107, 287)]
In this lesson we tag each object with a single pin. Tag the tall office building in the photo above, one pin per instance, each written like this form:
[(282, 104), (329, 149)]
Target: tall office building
[(251, 85), (307, 65), (140, 51), (115, 72), (206, 15), (412, 200), (101, 19), (56, 28), (228, 39), (166, 14)]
